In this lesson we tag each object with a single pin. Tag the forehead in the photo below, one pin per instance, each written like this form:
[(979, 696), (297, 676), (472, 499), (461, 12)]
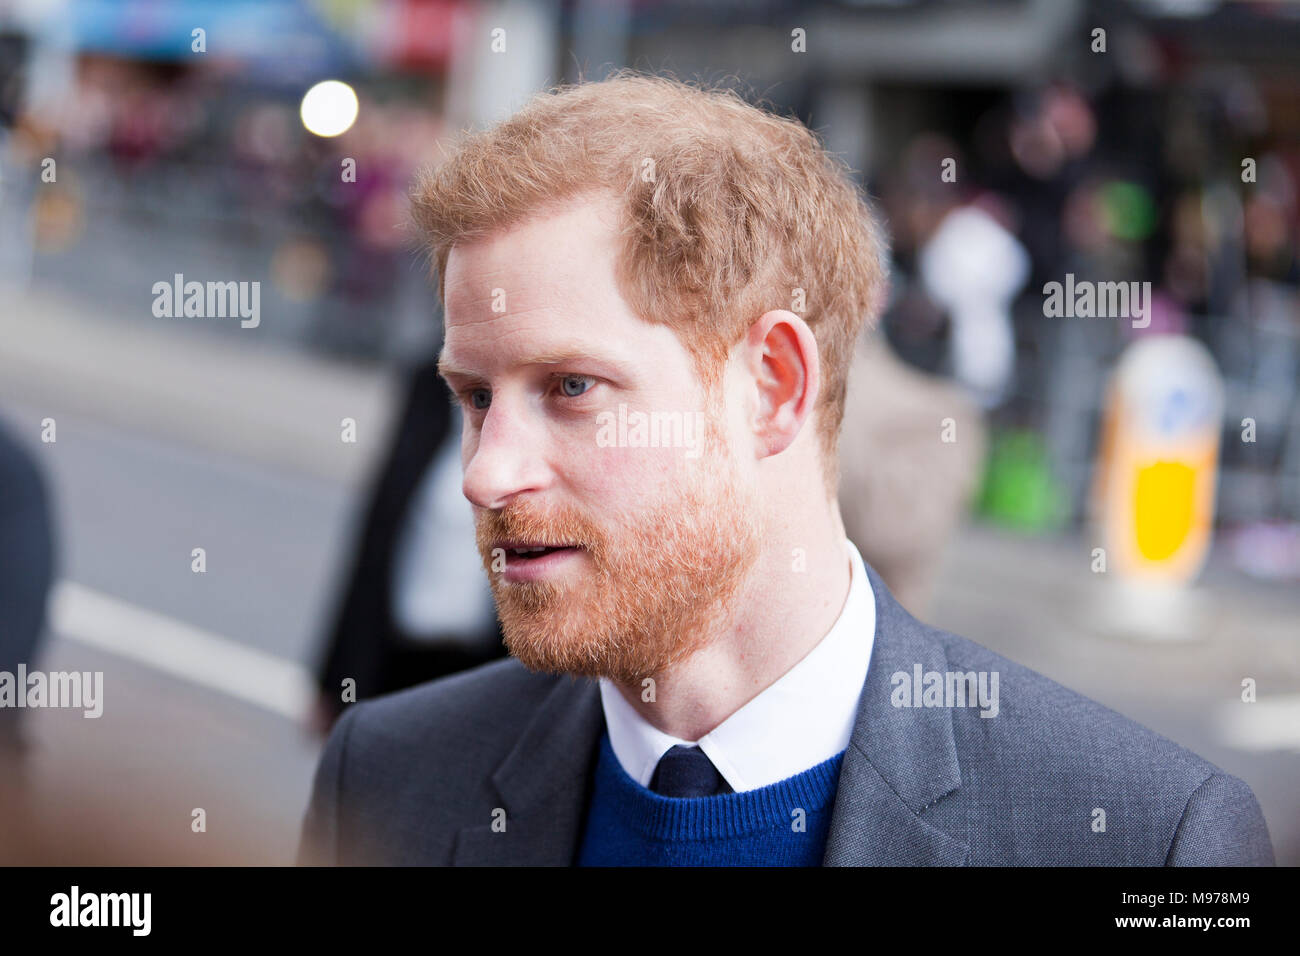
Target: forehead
[(565, 249), (542, 287)]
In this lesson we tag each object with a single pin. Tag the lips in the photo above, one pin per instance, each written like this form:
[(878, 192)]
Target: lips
[(535, 561)]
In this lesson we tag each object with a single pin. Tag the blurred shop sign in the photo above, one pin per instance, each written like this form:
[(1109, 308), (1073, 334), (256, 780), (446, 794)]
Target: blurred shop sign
[(273, 36), (420, 34)]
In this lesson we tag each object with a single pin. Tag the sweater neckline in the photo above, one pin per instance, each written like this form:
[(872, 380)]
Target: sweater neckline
[(724, 816)]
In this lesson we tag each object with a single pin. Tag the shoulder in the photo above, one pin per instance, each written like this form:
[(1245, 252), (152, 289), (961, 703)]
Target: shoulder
[(401, 774), (1074, 766), (1034, 716)]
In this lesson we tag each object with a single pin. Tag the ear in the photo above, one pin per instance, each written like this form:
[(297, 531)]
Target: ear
[(781, 354)]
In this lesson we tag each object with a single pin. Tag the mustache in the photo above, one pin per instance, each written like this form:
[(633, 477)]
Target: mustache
[(517, 523)]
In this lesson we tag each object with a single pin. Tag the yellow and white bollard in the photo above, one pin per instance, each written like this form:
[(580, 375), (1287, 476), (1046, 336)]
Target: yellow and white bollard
[(1155, 482)]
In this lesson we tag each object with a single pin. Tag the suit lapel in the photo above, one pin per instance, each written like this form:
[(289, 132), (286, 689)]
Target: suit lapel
[(899, 760), (543, 784)]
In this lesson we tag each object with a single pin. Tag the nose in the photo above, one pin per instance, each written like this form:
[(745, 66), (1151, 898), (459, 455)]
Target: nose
[(506, 455)]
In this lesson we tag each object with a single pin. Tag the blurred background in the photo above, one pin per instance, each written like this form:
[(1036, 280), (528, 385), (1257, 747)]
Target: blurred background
[(230, 520)]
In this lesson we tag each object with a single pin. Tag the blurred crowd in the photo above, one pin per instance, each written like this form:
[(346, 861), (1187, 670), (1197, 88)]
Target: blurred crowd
[(144, 144), (1115, 186)]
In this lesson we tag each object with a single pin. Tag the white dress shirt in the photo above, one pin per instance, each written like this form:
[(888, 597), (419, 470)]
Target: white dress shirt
[(803, 719)]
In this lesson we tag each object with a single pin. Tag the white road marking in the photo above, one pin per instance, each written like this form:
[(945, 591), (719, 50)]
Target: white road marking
[(182, 650), (1270, 723)]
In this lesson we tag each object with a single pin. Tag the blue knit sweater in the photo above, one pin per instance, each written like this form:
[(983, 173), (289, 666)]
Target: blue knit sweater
[(628, 825)]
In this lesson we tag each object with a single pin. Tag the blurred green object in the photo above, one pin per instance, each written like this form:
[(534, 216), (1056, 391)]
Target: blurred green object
[(1127, 210), (1019, 490)]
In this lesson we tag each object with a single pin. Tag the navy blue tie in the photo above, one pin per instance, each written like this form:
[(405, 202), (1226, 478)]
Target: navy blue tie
[(687, 772)]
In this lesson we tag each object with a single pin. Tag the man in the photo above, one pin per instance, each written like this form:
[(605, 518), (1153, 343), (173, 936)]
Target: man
[(652, 294)]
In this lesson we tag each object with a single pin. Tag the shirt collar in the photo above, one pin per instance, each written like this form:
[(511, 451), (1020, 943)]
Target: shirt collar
[(803, 719)]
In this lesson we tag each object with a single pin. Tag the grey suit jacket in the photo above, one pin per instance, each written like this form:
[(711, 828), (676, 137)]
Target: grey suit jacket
[(493, 766)]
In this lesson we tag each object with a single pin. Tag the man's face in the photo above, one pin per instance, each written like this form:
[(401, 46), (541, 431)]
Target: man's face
[(554, 374)]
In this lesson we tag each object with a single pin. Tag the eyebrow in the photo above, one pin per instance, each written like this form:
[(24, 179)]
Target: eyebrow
[(447, 367)]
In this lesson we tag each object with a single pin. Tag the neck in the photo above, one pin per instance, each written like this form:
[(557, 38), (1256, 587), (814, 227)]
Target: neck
[(790, 601)]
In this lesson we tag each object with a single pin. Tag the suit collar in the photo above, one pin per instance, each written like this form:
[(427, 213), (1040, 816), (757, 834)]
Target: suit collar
[(898, 763), (543, 784)]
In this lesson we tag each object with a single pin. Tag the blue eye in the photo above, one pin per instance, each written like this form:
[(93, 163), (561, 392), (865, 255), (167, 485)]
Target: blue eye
[(571, 386), (568, 380)]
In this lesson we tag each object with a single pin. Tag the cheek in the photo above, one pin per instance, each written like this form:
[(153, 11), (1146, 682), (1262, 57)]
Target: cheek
[(614, 481)]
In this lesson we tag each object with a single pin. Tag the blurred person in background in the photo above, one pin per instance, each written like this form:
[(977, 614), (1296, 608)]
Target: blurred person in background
[(960, 267), (957, 266), (415, 605), (892, 455), (26, 576)]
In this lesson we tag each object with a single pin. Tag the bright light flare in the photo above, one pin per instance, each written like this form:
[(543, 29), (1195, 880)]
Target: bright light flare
[(329, 108)]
